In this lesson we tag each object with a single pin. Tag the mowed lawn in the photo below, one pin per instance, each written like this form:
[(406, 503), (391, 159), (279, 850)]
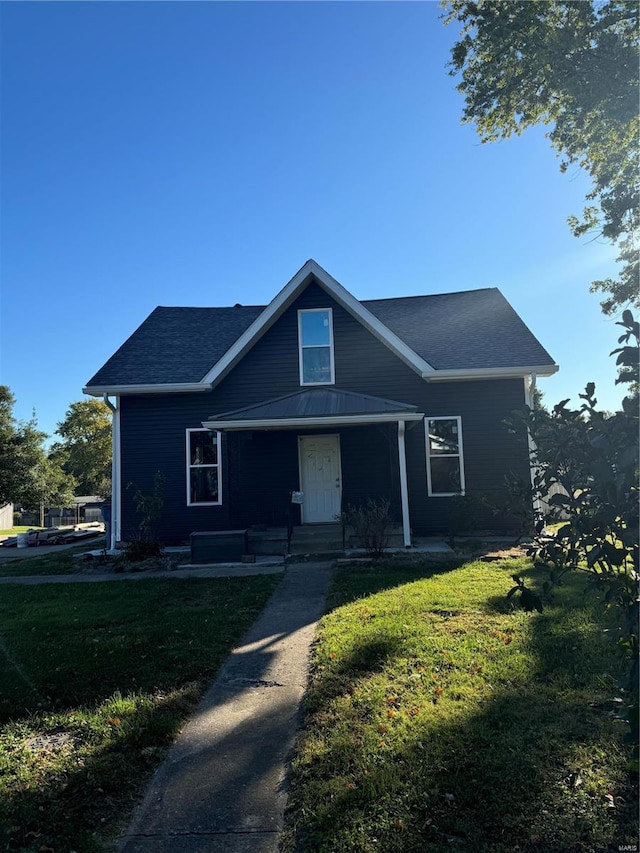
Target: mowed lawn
[(42, 562), (95, 681), (439, 719)]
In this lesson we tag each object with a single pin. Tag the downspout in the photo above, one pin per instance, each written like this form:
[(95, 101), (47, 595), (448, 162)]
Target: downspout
[(115, 471), (404, 490)]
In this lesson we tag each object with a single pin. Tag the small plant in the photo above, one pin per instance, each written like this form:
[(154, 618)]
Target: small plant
[(370, 522), (463, 517), (144, 543), (142, 549)]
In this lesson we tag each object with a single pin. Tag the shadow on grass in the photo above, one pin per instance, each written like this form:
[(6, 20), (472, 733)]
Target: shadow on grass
[(93, 784), (382, 575), (536, 766), (117, 702)]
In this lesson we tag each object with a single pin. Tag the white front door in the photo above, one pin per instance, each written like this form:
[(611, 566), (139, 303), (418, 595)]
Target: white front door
[(320, 477)]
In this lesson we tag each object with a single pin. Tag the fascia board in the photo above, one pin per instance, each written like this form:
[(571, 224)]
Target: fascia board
[(371, 322), (282, 301), (259, 326), (312, 423), (160, 388), (489, 373)]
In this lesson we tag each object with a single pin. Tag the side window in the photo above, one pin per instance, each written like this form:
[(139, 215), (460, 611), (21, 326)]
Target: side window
[(315, 346), (445, 462), (204, 479)]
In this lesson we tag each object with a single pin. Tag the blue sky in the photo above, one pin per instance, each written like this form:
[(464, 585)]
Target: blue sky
[(199, 153)]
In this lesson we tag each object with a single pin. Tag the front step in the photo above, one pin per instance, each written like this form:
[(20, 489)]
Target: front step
[(317, 538)]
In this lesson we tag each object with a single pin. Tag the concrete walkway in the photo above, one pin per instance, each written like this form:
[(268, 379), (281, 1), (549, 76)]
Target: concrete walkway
[(222, 787)]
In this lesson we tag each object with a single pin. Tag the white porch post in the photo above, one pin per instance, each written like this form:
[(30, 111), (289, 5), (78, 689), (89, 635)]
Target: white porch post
[(404, 491)]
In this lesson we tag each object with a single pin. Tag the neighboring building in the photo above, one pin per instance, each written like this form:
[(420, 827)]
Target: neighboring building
[(322, 394), (6, 517)]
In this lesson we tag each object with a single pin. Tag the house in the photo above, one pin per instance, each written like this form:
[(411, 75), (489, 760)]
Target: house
[(320, 393)]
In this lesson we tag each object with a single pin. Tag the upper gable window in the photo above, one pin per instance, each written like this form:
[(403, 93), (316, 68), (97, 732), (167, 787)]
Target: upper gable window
[(315, 345)]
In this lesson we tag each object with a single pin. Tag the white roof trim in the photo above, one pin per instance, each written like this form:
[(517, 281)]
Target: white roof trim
[(489, 373), (313, 422), (282, 301), (167, 388)]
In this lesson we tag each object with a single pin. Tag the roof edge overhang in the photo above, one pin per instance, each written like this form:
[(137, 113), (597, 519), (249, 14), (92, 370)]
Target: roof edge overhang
[(490, 373), (160, 388), (287, 296), (313, 422)]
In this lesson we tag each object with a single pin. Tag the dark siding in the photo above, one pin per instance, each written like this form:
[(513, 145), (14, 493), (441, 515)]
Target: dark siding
[(259, 469)]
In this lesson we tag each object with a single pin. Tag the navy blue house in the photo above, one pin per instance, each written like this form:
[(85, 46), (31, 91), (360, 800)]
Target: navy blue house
[(323, 394)]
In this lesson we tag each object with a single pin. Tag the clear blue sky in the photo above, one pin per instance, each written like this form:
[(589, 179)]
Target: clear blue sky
[(200, 153)]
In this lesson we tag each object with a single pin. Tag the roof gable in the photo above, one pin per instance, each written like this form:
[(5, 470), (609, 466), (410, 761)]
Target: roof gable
[(468, 334), (313, 271)]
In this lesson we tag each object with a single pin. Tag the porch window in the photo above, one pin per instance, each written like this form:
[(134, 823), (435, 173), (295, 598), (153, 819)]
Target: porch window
[(203, 468), (445, 463), (315, 345)]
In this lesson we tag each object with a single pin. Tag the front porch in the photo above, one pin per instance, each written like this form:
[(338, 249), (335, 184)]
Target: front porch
[(301, 460), (264, 542)]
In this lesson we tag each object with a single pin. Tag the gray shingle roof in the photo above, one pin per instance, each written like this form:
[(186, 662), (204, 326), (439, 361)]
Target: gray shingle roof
[(469, 329), (316, 402), (176, 345)]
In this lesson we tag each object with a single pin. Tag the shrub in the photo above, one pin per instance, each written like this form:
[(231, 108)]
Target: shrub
[(370, 523)]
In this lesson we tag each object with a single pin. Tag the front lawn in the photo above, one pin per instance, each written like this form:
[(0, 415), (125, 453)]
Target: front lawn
[(95, 681), (45, 562), (440, 720)]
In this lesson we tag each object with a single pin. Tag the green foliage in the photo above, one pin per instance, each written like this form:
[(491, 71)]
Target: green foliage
[(370, 522), (27, 475), (144, 542), (141, 549), (85, 449), (574, 67), (593, 457)]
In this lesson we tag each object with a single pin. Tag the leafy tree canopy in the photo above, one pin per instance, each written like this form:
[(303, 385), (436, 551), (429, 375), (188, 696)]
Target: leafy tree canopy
[(27, 475), (85, 449), (572, 66)]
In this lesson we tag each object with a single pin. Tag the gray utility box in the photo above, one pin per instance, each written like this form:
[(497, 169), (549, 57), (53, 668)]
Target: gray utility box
[(218, 546)]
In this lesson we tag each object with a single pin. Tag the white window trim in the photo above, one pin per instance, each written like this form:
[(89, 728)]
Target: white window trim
[(190, 466), (459, 455), (302, 311)]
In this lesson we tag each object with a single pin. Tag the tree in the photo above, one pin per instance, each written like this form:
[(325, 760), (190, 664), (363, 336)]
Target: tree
[(574, 67), (85, 449), (27, 475), (593, 457)]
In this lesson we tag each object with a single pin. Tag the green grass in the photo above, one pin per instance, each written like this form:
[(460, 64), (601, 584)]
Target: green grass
[(440, 720), (13, 531), (95, 681), (56, 563)]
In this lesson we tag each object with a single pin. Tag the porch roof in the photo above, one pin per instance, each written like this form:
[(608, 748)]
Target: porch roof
[(314, 407)]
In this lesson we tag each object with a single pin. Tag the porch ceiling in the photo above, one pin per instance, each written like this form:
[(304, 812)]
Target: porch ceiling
[(315, 407)]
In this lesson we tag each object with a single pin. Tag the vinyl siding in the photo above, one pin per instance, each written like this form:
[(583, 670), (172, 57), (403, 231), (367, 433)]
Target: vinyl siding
[(261, 468)]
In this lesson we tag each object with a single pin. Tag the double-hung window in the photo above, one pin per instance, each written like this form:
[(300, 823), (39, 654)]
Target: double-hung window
[(315, 346), (445, 461), (204, 480)]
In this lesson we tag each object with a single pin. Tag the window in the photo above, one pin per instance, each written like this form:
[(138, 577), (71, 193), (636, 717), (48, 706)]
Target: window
[(315, 340), (203, 468), (445, 465)]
